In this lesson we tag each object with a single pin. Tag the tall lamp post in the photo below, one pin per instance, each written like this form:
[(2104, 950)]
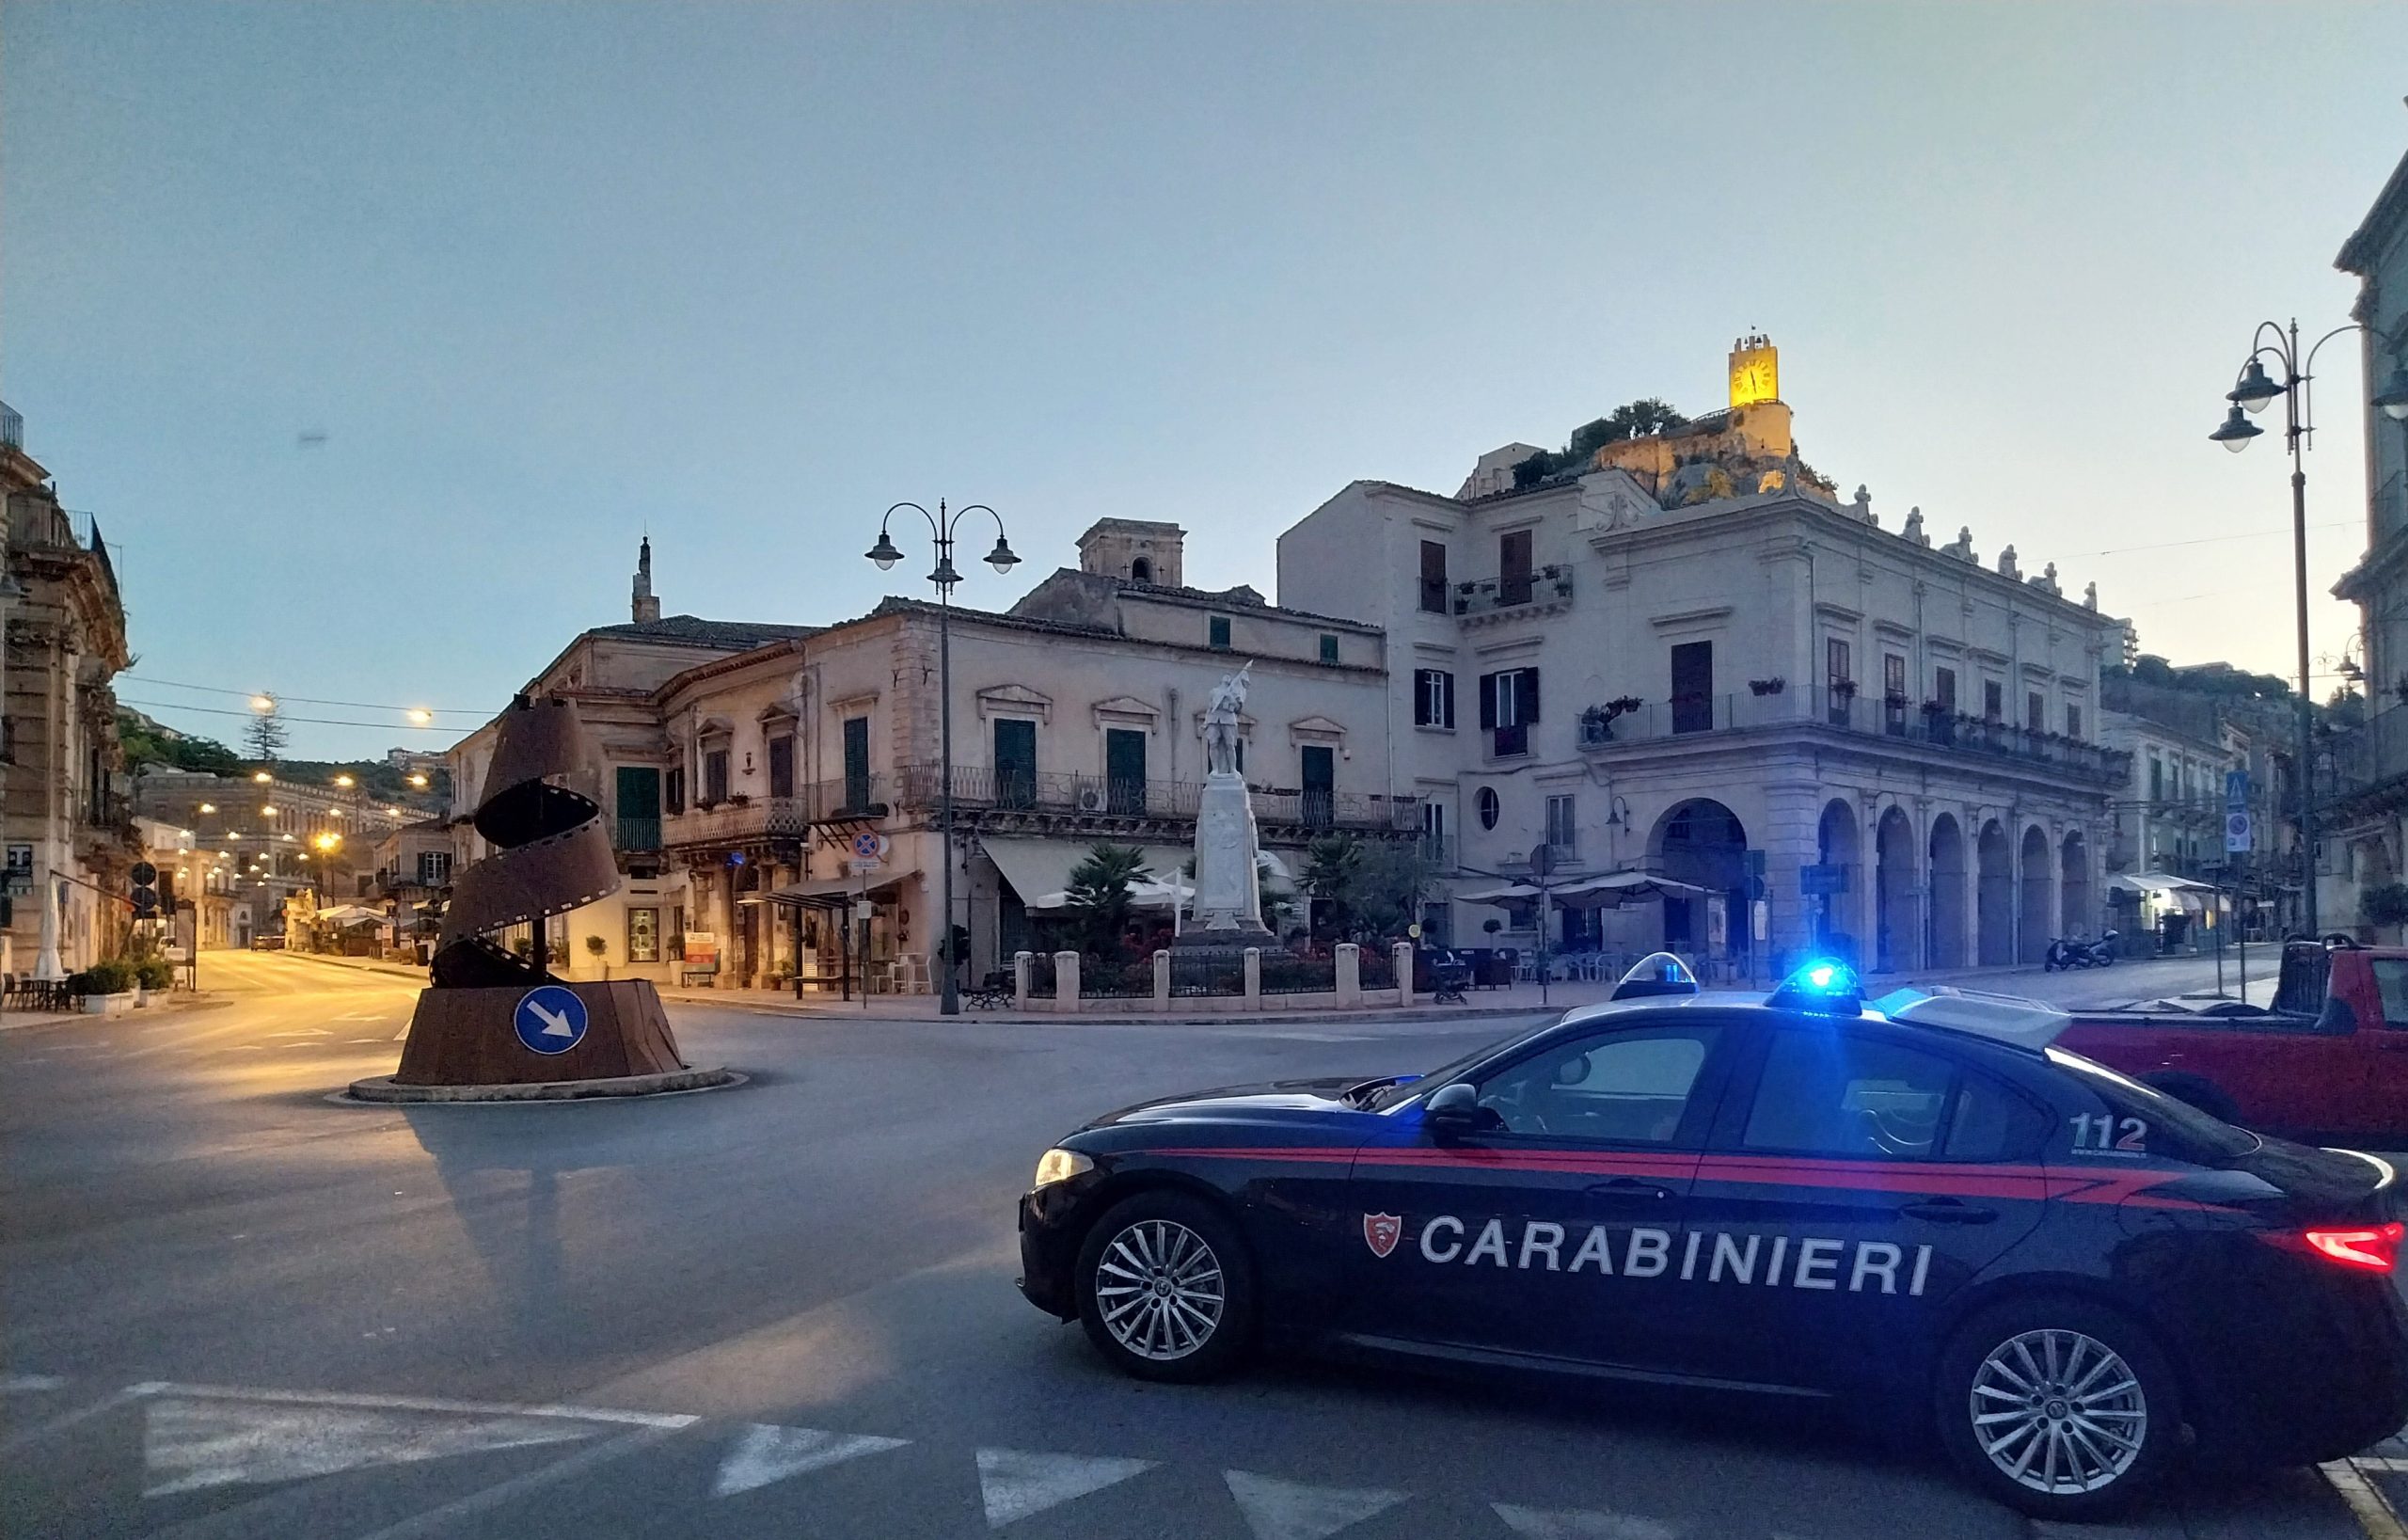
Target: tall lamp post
[(942, 524), (2249, 395)]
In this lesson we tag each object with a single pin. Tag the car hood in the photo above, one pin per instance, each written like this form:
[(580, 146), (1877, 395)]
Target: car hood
[(1274, 1101)]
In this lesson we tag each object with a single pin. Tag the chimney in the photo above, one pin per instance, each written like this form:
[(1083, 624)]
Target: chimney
[(646, 607)]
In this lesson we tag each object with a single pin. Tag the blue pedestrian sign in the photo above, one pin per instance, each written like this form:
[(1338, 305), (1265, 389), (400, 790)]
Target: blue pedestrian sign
[(550, 1019)]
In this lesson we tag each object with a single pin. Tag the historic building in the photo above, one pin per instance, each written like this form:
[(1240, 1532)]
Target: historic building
[(2363, 835), (1686, 656), (66, 817)]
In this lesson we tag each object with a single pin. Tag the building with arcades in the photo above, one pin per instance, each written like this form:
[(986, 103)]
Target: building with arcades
[(1686, 654)]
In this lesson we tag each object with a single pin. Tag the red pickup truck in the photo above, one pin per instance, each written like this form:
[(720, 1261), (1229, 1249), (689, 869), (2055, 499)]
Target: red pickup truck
[(2327, 1061)]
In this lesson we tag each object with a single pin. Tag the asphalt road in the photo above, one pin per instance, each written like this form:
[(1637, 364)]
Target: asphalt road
[(234, 1308)]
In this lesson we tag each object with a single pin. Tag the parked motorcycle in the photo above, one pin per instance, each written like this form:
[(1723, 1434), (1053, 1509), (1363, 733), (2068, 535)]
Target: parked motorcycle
[(2072, 952)]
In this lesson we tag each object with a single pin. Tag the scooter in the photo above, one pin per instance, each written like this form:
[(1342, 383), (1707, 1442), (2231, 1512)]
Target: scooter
[(2070, 954)]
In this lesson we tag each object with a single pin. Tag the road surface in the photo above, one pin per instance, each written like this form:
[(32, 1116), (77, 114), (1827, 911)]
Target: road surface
[(235, 1308)]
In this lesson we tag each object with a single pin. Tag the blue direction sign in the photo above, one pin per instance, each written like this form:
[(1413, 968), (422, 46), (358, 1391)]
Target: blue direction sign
[(550, 1019)]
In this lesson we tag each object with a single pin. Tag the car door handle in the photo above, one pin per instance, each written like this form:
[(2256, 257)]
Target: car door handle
[(1948, 1211), (1625, 1187)]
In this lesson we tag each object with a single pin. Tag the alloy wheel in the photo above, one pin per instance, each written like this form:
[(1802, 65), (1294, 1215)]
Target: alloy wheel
[(2058, 1412), (1159, 1290)]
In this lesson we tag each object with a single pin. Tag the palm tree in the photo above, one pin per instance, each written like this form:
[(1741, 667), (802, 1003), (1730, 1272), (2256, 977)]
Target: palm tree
[(1098, 896), (1332, 865)]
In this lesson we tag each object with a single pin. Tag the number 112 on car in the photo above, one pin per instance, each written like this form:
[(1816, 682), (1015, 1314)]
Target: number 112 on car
[(2094, 1131)]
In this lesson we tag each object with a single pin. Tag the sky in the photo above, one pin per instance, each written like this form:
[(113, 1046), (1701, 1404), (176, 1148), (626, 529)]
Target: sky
[(375, 336)]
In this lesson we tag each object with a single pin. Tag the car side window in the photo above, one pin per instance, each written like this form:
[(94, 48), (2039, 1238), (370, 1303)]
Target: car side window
[(1831, 1093), (1631, 1086), (2391, 987)]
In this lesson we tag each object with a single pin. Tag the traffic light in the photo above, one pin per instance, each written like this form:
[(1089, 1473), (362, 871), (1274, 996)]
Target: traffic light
[(145, 895)]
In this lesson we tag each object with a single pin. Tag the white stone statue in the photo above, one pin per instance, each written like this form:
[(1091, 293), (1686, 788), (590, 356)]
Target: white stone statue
[(1963, 546), (2006, 567), (1914, 528), (2048, 579), (1221, 723), (2090, 596)]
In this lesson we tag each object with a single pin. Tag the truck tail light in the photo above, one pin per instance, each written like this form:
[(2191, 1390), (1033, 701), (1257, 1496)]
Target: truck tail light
[(2371, 1249)]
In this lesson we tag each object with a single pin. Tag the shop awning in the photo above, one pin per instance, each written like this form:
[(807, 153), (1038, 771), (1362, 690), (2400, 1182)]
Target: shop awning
[(825, 892), (1512, 893)]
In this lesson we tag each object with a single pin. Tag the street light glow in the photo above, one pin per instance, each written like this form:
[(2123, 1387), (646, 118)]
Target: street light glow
[(208, 807), (342, 780), (262, 703), (418, 780), (263, 777), (267, 812), (421, 715)]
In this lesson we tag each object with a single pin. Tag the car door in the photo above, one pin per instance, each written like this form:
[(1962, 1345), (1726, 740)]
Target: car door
[(1551, 1231), (1857, 1178)]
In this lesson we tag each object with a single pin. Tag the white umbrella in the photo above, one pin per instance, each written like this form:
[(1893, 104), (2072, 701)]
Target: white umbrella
[(1512, 893), (1617, 888)]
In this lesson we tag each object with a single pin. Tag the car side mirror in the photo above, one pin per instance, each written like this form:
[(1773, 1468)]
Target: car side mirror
[(1455, 1110)]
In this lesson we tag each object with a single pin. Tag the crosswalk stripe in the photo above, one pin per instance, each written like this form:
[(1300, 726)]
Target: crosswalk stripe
[(1015, 1482), (767, 1453), (191, 1444), (1580, 1524), (1288, 1510)]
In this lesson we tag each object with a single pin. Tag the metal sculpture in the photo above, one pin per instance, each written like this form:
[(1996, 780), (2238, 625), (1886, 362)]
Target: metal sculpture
[(551, 855)]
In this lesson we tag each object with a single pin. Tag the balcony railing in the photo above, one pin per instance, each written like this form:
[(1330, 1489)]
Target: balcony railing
[(12, 428), (638, 834), (730, 822), (1486, 596), (1863, 716), (982, 788)]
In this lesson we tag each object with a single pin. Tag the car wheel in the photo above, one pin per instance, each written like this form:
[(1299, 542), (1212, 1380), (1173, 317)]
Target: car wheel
[(2064, 1409), (1165, 1291)]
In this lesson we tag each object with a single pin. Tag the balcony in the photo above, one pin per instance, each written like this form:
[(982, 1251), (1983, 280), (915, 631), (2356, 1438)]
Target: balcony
[(2370, 761), (1548, 590), (1858, 716), (1064, 795), (12, 428), (738, 820)]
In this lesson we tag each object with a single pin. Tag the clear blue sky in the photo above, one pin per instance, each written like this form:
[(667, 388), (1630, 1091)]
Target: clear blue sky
[(548, 275)]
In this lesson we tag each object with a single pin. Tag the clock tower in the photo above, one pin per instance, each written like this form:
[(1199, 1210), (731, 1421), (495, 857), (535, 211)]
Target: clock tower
[(1755, 371)]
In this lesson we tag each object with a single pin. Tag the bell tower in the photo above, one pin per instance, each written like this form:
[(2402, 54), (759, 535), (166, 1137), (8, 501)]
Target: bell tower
[(1755, 369), (645, 606)]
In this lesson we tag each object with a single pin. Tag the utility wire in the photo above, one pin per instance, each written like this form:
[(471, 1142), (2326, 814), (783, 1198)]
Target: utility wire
[(307, 700), (315, 721)]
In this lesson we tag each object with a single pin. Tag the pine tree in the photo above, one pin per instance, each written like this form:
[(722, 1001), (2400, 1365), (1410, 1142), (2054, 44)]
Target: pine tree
[(266, 736)]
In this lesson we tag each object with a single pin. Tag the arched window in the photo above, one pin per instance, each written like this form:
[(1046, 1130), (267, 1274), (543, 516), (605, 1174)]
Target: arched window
[(1141, 570)]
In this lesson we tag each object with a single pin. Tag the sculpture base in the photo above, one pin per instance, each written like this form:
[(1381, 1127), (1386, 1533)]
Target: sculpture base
[(464, 1038), (1223, 941)]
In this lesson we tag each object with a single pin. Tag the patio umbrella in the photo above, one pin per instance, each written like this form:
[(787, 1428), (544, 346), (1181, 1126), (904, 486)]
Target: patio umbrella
[(1616, 889), (1512, 893)]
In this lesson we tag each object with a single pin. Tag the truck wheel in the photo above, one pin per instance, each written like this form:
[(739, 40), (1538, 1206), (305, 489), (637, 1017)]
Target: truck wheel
[(2058, 1407), (1165, 1290)]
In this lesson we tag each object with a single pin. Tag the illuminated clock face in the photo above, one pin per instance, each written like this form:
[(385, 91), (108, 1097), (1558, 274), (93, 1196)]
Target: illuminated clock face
[(1752, 380)]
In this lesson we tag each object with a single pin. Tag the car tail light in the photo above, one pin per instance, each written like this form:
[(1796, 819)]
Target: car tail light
[(2373, 1248)]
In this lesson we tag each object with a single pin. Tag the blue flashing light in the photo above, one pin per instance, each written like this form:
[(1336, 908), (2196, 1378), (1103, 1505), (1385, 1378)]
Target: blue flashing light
[(1657, 973), (1822, 986)]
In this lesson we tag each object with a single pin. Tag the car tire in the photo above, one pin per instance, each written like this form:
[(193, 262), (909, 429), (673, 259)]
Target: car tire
[(1983, 1371), (1165, 1290)]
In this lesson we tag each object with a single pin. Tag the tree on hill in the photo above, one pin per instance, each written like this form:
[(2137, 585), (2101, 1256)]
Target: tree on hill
[(1631, 420), (266, 736)]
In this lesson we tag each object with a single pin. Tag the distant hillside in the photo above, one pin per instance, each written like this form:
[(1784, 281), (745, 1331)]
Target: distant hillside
[(150, 743)]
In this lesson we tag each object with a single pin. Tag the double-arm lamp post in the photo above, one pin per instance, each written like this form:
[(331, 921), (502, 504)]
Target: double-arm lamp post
[(942, 524), (2249, 395)]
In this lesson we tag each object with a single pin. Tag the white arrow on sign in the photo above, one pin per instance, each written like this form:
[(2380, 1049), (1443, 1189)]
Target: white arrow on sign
[(555, 1022)]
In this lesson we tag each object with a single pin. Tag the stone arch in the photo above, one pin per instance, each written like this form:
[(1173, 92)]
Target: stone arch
[(1704, 842), (1944, 935), (1141, 570), (2075, 914), (1839, 847), (1994, 897), (2036, 911), (1896, 925)]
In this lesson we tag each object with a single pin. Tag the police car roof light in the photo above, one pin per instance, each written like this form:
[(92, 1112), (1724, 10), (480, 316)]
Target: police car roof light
[(1657, 973), (1823, 986)]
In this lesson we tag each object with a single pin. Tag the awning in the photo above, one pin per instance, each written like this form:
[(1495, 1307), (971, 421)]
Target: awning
[(825, 892), (1040, 869), (1512, 893), (1617, 888)]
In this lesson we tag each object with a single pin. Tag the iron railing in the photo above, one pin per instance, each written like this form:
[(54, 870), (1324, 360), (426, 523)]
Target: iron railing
[(1286, 974), (735, 820), (1109, 979), (639, 834), (1198, 974), (1040, 975), (982, 786), (1488, 594), (1865, 716), (1378, 970), (12, 428)]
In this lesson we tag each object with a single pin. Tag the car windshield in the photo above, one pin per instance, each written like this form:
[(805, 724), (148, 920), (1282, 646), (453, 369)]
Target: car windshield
[(1410, 1087), (2210, 1138)]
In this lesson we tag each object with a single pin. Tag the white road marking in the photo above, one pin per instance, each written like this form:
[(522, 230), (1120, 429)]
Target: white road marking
[(768, 1453), (1018, 1482), (671, 1422), (365, 1016), (1580, 1524), (29, 1382), (189, 1444), (303, 1032), (399, 1036), (1288, 1510), (437, 1520), (40, 1431)]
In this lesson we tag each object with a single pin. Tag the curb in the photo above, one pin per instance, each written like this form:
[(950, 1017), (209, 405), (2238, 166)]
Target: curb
[(389, 969), (380, 1089), (1074, 1018)]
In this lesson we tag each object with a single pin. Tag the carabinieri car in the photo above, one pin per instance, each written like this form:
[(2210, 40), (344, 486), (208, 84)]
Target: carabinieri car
[(1919, 1204)]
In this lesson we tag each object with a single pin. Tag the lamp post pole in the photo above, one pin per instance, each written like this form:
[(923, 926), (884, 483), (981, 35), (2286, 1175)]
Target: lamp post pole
[(2250, 394), (942, 525)]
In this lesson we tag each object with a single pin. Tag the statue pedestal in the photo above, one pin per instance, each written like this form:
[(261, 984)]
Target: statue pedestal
[(1228, 902)]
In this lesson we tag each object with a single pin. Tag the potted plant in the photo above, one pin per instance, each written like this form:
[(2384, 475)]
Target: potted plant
[(1773, 686), (594, 947)]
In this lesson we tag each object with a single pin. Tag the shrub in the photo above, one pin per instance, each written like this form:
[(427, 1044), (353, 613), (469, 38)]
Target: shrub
[(2385, 905), (155, 972), (112, 976)]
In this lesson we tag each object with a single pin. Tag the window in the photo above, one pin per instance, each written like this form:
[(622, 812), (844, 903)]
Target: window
[(1513, 568), (1141, 571), (1433, 577), (1894, 692), (1562, 830), (673, 790), (1993, 701), (856, 763), (1124, 770), (1943, 690), (2391, 987), (643, 935), (1329, 649), (1216, 632), (1015, 762), (2035, 711), (1631, 1087), (782, 767), (2156, 777), (1318, 764), (1433, 698), (1837, 679), (434, 868), (2073, 721), (1509, 703), (714, 776), (639, 807), (1692, 687), (1483, 802), (1835, 1094), (1433, 832)]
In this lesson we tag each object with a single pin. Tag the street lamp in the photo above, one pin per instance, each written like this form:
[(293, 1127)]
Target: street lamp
[(942, 524), (2251, 392)]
